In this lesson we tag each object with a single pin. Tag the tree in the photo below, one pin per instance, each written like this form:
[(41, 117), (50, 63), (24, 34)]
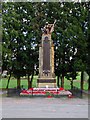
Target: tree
[(88, 47), (71, 39), (16, 42)]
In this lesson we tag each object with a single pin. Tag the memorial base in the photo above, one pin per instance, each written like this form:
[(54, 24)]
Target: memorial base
[(49, 92), (46, 83)]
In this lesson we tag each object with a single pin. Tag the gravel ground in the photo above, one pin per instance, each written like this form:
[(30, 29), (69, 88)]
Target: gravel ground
[(42, 107)]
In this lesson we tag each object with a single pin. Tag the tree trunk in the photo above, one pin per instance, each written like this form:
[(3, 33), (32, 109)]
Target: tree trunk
[(58, 77), (18, 82), (71, 84), (8, 80), (62, 81), (82, 80), (28, 81), (31, 80)]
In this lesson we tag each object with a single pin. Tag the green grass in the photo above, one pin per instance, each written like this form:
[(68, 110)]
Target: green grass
[(13, 82), (24, 82)]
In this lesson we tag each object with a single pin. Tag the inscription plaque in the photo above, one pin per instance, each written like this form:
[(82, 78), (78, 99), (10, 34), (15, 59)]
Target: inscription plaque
[(46, 55)]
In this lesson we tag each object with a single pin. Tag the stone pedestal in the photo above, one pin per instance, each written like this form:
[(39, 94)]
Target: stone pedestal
[(46, 62)]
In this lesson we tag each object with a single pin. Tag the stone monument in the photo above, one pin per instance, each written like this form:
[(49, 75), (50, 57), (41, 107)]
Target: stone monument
[(46, 58)]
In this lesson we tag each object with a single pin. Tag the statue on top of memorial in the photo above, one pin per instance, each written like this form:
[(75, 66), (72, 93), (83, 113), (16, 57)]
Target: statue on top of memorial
[(48, 28)]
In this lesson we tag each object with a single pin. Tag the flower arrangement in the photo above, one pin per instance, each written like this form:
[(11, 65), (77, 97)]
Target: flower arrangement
[(49, 94), (30, 88), (61, 88)]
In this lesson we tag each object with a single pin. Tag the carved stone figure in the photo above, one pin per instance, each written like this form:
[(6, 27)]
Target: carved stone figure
[(48, 28)]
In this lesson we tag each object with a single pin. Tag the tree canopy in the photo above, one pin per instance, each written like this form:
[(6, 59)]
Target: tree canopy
[(22, 24)]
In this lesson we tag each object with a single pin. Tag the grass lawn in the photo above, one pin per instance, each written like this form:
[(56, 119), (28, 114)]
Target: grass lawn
[(24, 82)]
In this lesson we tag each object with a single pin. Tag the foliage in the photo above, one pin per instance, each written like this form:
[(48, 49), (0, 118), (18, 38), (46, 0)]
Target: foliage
[(49, 94), (22, 25)]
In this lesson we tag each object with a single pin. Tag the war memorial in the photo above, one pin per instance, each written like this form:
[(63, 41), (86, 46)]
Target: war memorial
[(46, 82), (46, 58)]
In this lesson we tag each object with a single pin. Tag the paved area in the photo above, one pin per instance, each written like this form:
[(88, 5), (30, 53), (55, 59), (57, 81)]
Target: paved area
[(42, 107)]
